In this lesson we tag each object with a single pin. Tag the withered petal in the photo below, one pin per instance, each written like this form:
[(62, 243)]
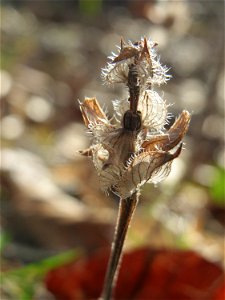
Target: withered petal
[(145, 51), (173, 136), (178, 130), (86, 152), (125, 53), (155, 142), (92, 112)]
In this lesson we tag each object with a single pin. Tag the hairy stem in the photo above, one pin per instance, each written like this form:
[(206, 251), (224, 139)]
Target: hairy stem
[(126, 210)]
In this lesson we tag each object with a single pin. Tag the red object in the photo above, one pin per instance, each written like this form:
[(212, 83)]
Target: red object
[(144, 274)]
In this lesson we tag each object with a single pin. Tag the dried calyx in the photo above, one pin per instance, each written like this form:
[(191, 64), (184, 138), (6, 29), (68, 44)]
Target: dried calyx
[(141, 54), (136, 147)]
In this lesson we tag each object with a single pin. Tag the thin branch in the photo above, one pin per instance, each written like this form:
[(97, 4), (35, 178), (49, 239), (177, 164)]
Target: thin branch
[(126, 210)]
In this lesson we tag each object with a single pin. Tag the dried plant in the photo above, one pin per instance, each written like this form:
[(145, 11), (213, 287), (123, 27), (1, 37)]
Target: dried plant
[(133, 147)]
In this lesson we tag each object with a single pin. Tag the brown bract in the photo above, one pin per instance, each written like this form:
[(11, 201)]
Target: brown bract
[(127, 51), (92, 112)]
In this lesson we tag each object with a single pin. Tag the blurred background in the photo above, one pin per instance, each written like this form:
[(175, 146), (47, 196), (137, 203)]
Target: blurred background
[(52, 53)]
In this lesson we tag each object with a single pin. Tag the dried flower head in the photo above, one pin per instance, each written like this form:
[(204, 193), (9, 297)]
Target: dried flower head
[(135, 148)]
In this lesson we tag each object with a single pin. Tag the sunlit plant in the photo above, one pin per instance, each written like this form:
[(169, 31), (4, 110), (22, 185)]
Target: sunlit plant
[(133, 147)]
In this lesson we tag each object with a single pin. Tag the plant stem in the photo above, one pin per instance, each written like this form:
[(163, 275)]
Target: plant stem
[(126, 210)]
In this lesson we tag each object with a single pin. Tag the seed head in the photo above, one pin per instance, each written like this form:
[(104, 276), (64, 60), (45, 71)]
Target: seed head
[(135, 147)]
